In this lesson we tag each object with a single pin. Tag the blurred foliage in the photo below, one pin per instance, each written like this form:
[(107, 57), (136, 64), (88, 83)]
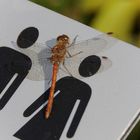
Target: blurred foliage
[(135, 134), (122, 18), (119, 16)]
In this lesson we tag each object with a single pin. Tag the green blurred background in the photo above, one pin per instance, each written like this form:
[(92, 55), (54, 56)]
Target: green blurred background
[(122, 17), (119, 16)]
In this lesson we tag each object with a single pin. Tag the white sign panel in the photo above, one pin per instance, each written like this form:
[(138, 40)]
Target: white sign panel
[(102, 105)]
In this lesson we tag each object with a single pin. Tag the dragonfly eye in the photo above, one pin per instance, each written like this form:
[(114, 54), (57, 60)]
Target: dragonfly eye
[(62, 38)]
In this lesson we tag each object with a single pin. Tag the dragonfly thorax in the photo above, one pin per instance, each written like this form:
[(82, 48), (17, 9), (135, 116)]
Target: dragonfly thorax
[(56, 58), (58, 48), (58, 53)]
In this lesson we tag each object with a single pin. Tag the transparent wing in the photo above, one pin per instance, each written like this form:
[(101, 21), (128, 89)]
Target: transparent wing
[(41, 66), (78, 52), (93, 45), (92, 66)]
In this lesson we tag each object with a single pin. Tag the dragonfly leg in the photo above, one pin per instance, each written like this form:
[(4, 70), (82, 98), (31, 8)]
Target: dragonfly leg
[(50, 47), (73, 42), (62, 69), (67, 69), (49, 81), (69, 55)]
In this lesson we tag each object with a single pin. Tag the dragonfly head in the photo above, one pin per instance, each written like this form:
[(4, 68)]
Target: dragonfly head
[(63, 39)]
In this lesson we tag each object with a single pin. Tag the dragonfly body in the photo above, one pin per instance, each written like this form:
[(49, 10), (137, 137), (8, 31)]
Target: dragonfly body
[(57, 57)]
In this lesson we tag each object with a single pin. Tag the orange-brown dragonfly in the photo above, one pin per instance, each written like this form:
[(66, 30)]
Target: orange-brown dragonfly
[(62, 58)]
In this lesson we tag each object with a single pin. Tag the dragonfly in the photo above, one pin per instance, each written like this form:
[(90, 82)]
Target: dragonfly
[(62, 58)]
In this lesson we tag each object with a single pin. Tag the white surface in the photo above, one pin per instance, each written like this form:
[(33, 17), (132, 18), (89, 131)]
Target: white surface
[(116, 92)]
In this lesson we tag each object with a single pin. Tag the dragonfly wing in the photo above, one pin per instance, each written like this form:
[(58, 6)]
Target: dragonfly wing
[(41, 66), (80, 67), (39, 74), (93, 45), (106, 63), (85, 52), (51, 43)]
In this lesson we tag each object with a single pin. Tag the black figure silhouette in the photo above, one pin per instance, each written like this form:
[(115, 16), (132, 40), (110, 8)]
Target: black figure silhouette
[(12, 62), (38, 128)]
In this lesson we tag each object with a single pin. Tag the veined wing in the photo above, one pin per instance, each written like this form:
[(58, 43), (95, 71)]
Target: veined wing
[(93, 45), (85, 67), (41, 66), (83, 56)]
